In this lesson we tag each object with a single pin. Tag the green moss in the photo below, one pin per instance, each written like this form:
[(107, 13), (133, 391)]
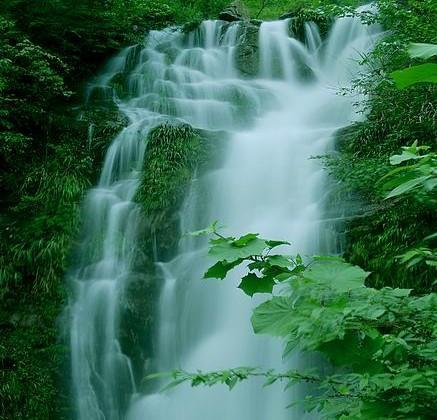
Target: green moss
[(32, 359), (173, 154), (383, 230)]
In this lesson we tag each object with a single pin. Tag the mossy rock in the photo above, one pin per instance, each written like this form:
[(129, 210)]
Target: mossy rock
[(132, 58), (301, 15), (101, 96), (247, 57), (173, 153), (118, 83), (137, 319)]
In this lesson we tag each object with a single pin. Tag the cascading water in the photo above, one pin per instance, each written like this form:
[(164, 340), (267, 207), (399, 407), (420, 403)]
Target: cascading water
[(268, 184)]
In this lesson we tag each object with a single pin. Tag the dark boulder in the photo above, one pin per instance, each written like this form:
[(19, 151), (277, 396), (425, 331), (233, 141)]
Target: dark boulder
[(233, 13)]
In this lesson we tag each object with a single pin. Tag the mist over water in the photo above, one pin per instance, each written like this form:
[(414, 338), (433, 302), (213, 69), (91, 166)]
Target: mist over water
[(274, 123)]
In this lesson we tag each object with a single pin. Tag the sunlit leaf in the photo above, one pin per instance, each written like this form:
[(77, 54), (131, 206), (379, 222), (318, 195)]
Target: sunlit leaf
[(225, 249), (274, 244), (244, 240), (274, 317), (420, 50), (405, 156), (423, 73), (407, 186), (336, 274), (279, 260)]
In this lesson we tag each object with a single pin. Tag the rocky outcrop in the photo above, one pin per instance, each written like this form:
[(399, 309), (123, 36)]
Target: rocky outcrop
[(233, 13), (247, 51), (299, 17)]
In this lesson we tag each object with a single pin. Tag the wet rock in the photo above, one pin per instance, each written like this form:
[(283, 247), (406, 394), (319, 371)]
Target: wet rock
[(247, 51), (133, 57), (233, 13), (256, 22), (136, 332), (287, 15)]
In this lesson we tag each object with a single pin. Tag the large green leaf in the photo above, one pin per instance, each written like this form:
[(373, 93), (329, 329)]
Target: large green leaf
[(407, 186), (405, 156), (336, 274), (244, 240), (274, 244), (274, 317), (425, 51), (251, 284), (354, 350), (423, 73), (230, 251), (221, 269), (279, 260)]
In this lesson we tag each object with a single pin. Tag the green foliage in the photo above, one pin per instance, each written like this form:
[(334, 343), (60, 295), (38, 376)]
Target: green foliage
[(422, 73), (231, 377), (174, 153), (419, 177), (379, 230), (230, 252), (32, 358), (421, 50), (381, 342), (273, 9), (410, 20), (47, 164)]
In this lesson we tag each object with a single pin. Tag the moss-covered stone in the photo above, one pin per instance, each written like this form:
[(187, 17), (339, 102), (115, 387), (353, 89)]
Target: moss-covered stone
[(247, 57), (323, 18), (173, 153), (138, 308), (176, 153)]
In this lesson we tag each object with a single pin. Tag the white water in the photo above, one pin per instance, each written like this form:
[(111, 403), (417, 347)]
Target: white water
[(267, 185)]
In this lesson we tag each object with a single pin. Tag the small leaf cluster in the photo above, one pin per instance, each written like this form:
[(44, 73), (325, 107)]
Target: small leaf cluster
[(416, 174), (266, 270)]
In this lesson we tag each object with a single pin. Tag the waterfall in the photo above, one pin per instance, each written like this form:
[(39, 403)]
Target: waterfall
[(275, 122)]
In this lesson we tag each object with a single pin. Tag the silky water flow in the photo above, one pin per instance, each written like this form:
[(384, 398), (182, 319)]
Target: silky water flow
[(273, 124)]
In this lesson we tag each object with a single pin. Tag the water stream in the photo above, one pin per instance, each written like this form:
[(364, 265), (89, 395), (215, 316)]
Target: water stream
[(274, 123)]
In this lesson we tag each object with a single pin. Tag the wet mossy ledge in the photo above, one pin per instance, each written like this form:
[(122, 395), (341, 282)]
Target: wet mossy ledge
[(247, 56), (174, 153)]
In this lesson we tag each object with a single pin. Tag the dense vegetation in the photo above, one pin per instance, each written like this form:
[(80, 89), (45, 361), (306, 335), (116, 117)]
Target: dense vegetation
[(50, 49), (396, 118)]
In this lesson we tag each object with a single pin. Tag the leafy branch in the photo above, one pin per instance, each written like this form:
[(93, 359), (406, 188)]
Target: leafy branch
[(384, 340)]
